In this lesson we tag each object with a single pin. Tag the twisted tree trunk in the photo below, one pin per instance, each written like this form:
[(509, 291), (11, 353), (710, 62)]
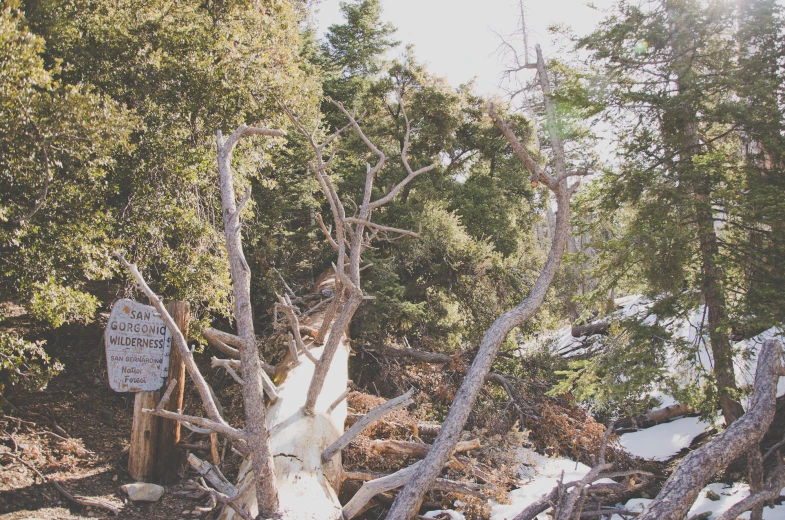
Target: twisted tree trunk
[(409, 499)]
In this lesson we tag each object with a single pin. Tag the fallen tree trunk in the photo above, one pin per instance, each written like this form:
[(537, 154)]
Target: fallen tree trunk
[(652, 418), (590, 329), (418, 449), (696, 470), (307, 487), (421, 428)]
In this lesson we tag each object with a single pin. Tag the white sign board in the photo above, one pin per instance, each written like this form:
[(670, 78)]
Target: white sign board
[(137, 347)]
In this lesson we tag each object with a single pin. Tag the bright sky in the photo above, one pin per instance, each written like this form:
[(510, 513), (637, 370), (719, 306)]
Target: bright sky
[(458, 38)]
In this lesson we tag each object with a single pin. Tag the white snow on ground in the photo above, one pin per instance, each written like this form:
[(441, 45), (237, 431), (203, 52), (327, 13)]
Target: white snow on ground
[(728, 496), (540, 475), (660, 442), (454, 515), (665, 440)]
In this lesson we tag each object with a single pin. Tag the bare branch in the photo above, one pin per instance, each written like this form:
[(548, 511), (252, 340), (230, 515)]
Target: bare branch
[(243, 130), (409, 499), (771, 491), (404, 152), (227, 364), (286, 286), (213, 475), (256, 380), (242, 204), (577, 173), (213, 426), (179, 342), (373, 487), (566, 509), (269, 386), (382, 228), (337, 401), (369, 418), (225, 337), (288, 309), (537, 173), (327, 232)]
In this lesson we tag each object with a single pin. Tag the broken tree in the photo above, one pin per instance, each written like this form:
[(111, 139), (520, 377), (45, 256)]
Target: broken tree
[(293, 441)]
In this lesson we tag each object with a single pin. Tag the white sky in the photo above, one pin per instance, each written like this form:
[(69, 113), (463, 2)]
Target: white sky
[(457, 38)]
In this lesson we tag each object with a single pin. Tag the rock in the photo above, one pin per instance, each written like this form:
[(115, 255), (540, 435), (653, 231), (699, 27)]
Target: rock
[(114, 478), (143, 492), (711, 495)]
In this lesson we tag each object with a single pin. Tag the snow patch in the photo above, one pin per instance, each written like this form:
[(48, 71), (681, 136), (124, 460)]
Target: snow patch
[(454, 515), (542, 474), (728, 496), (663, 441)]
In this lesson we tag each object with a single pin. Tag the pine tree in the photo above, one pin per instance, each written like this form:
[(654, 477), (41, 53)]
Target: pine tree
[(681, 130)]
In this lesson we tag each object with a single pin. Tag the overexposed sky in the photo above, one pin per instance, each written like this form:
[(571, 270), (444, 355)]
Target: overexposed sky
[(458, 38)]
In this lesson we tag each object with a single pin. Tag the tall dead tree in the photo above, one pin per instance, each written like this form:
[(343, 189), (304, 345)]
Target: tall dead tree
[(409, 499)]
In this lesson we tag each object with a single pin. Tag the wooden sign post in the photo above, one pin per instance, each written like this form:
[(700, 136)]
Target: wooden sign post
[(138, 348), (170, 456)]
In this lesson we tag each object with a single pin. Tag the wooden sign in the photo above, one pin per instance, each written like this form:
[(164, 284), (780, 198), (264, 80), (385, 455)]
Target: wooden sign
[(137, 347)]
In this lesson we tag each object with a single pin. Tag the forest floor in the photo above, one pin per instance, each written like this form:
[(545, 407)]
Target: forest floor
[(76, 432)]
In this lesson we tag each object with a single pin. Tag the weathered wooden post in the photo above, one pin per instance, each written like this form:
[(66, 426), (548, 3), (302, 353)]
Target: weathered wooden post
[(144, 437), (169, 455)]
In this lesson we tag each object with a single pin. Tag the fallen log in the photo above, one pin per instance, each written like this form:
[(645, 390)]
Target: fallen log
[(417, 449), (422, 429), (590, 329), (652, 418)]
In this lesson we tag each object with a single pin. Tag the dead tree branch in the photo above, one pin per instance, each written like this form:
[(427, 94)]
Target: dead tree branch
[(257, 436), (369, 418), (373, 487), (771, 491), (576, 496), (216, 422)]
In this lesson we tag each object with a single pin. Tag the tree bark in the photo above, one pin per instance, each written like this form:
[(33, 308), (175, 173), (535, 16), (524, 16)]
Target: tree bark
[(686, 139), (253, 390), (169, 455), (144, 432)]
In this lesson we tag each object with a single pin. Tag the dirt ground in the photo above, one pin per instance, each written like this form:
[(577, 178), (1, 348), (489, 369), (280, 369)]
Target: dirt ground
[(76, 432)]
